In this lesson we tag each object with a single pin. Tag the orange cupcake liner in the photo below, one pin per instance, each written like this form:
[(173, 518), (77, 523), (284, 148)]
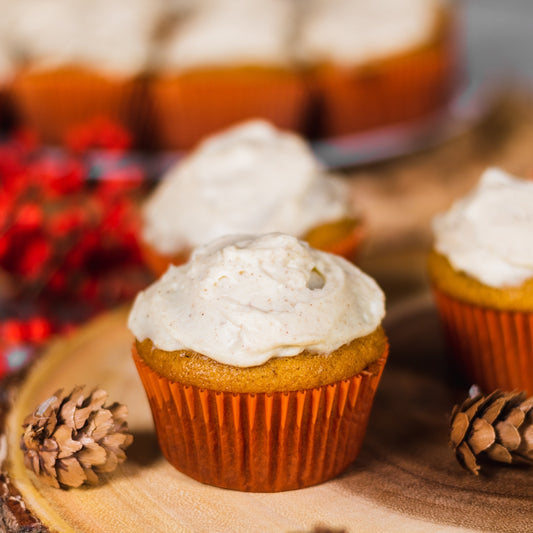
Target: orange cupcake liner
[(188, 108), (494, 347), (52, 103), (261, 442), (393, 91)]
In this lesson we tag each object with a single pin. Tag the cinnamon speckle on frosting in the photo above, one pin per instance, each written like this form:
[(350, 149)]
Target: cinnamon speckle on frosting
[(268, 311)]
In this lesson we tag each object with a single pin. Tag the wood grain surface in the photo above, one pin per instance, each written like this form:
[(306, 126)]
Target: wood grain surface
[(406, 479)]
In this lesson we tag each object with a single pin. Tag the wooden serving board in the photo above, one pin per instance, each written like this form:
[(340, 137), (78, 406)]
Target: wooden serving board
[(406, 478)]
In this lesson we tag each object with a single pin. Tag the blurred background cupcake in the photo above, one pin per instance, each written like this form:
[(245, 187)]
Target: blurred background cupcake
[(377, 63), (251, 178), (225, 61), (481, 269), (81, 60), (175, 72), (260, 358)]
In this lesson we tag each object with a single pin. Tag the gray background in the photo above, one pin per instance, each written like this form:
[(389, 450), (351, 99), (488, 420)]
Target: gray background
[(498, 39)]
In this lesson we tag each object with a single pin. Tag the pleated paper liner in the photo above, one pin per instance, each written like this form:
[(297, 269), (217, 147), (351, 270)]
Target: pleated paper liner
[(261, 442), (189, 107), (494, 347), (390, 91), (53, 102)]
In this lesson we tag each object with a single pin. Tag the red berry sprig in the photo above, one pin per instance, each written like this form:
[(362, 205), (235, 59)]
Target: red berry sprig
[(68, 221), (68, 233), (100, 132)]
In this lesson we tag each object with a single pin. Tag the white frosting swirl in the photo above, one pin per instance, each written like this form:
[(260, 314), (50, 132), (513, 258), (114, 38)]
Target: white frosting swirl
[(45, 29), (111, 36), (8, 59), (7, 66), (231, 33), (242, 300), (489, 233), (251, 178), (119, 33), (352, 32)]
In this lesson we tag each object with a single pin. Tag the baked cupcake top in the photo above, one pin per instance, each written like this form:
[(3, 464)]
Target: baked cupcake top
[(242, 300), (231, 33), (353, 32), (251, 178), (109, 36), (488, 233)]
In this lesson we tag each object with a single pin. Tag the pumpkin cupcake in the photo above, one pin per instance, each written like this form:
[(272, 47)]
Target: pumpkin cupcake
[(260, 358), (481, 269), (81, 60), (251, 178), (377, 63), (225, 62)]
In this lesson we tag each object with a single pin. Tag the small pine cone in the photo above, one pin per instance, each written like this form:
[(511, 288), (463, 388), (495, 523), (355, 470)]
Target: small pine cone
[(70, 439), (496, 427)]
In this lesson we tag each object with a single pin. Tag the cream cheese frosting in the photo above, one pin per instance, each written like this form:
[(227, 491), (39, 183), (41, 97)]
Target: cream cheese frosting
[(110, 36), (231, 33), (8, 59), (488, 234), (45, 29), (353, 32), (251, 178), (119, 36), (7, 65), (242, 300)]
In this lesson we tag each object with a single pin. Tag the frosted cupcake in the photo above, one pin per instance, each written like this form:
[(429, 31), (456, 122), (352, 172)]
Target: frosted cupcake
[(482, 272), (377, 63), (226, 62), (82, 60), (260, 358), (251, 178)]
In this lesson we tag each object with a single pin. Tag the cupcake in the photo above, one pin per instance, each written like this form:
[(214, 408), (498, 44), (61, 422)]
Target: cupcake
[(481, 269), (81, 60), (227, 61), (251, 178), (260, 358), (377, 63)]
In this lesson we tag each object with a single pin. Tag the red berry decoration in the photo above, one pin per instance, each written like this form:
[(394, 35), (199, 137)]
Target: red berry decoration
[(68, 229), (98, 133)]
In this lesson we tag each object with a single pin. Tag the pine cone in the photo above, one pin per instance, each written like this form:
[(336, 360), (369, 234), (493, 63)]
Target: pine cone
[(69, 440), (497, 427)]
